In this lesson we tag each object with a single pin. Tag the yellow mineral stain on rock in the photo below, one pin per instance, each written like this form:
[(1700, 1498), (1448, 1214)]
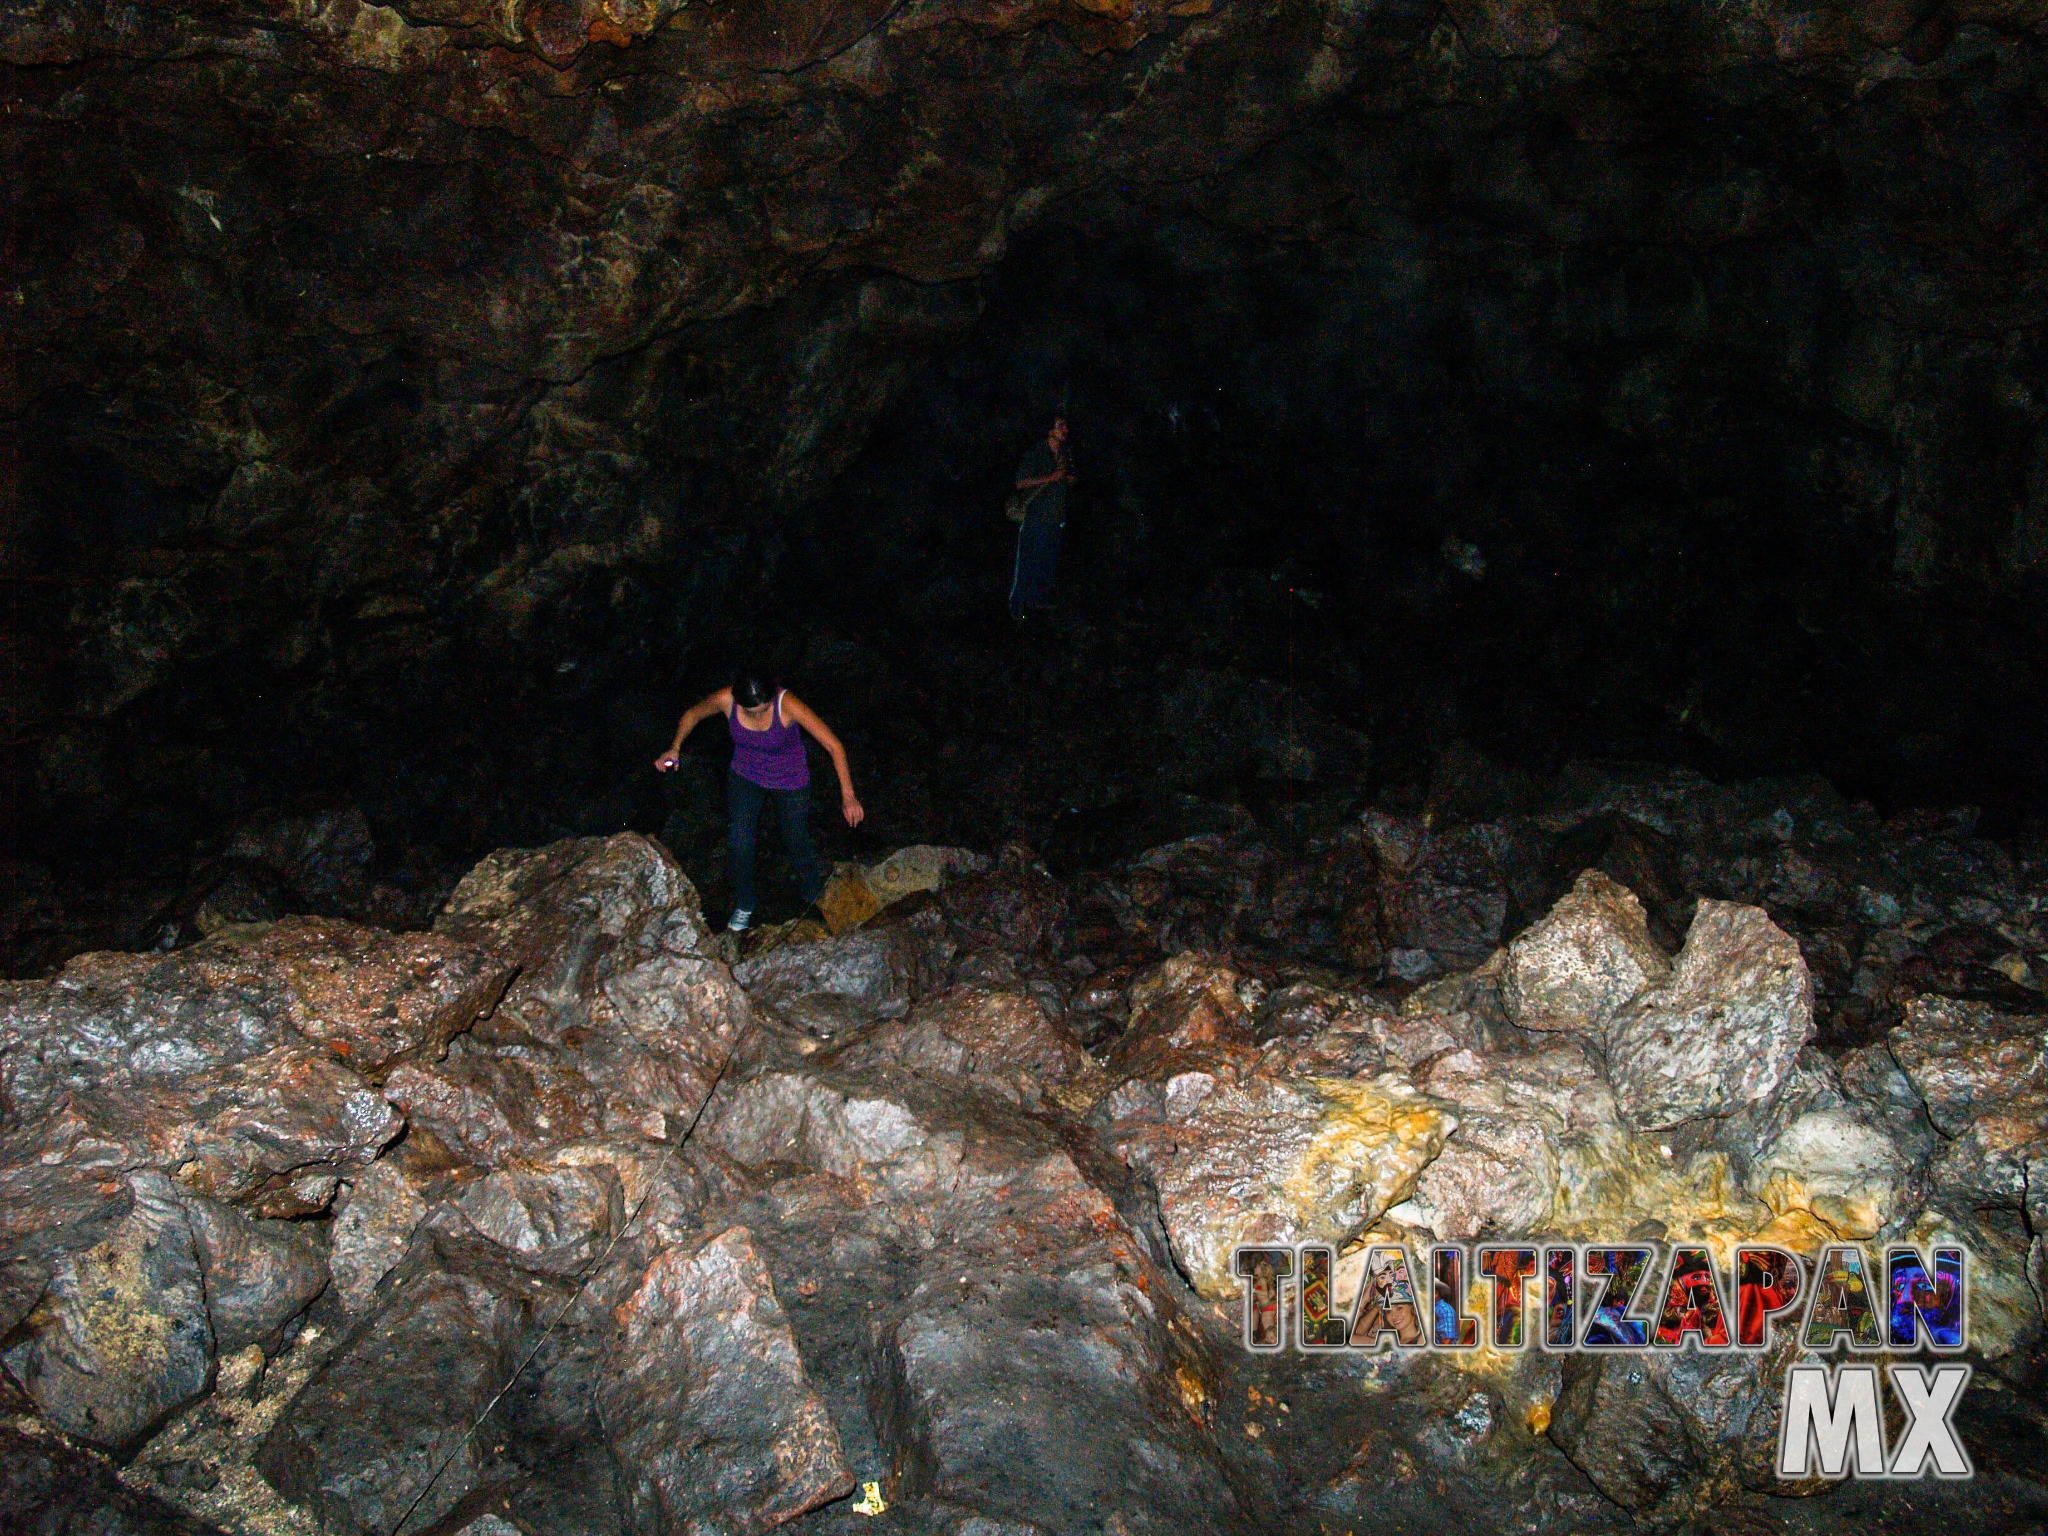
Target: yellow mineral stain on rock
[(848, 900), (1538, 1417), (1376, 1135)]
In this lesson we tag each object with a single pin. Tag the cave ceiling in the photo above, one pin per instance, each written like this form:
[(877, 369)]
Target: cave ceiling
[(344, 339)]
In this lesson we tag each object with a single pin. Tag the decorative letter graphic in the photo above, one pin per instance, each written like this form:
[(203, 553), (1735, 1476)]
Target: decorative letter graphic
[(1451, 1326), (1842, 1302), (1935, 1301), (1560, 1298), (1692, 1302), (1264, 1269), (1767, 1281), (1618, 1275), (1386, 1302), (1837, 1413), (1509, 1270), (1929, 1395), (1319, 1330)]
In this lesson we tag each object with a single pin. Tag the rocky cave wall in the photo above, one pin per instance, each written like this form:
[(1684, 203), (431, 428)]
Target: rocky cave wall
[(404, 405)]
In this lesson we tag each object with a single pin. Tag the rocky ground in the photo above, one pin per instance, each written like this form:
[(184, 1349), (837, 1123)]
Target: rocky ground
[(939, 1198)]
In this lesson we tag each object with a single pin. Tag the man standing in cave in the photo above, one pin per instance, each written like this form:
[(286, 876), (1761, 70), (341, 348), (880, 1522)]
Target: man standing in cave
[(1039, 504)]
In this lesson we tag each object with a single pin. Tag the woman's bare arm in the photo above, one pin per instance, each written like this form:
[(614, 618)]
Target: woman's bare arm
[(711, 704), (806, 717)]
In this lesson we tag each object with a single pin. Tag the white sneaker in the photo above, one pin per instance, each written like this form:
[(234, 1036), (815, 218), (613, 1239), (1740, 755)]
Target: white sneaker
[(739, 921)]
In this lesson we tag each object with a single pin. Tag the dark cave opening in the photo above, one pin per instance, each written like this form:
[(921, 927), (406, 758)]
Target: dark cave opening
[(1665, 415), (1409, 504)]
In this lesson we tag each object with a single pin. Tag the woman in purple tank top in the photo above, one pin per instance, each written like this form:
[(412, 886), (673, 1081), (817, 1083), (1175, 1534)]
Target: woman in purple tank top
[(767, 764)]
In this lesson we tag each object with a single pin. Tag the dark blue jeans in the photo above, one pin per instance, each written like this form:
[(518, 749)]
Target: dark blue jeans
[(1038, 557), (744, 799)]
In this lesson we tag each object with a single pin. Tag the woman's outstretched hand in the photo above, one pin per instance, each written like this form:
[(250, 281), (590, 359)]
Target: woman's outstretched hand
[(666, 763), (850, 809)]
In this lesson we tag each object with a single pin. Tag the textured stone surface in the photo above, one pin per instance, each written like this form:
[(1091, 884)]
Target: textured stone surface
[(360, 1440), (1590, 955), (1984, 1078), (370, 997), (1193, 1000), (832, 984), (1025, 1335), (271, 1132), (259, 1275), (1530, 1129), (706, 1402), (550, 1220), (1273, 1160), (950, 1252), (1723, 1031), (372, 1231), (120, 1339), (1003, 1042), (376, 998), (616, 996), (559, 911)]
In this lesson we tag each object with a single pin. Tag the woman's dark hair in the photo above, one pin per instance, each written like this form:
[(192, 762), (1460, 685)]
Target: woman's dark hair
[(751, 691)]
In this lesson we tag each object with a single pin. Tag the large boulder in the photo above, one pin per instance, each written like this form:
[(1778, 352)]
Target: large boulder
[(1576, 967), (1653, 1430), (361, 1440), (1004, 1042), (831, 985), (1444, 897), (120, 1338), (1266, 1157), (259, 1275), (1723, 1032), (1983, 1076), (557, 912), (616, 988), (374, 998), (369, 997), (1191, 1001), (1033, 1371), (705, 1401), (371, 1232), (504, 1097), (271, 1133), (1537, 1143)]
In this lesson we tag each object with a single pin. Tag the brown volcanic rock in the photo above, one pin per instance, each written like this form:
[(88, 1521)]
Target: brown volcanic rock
[(370, 997), (374, 998), (1983, 1076), (706, 1402), (617, 999), (120, 1339), (259, 1274), (1024, 1330), (360, 1439), (1190, 1002), (510, 1098), (559, 912), (1004, 1042), (1590, 955), (271, 1133), (371, 1232), (1723, 1032)]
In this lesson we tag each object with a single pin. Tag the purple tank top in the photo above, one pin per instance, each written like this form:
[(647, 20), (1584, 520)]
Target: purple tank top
[(774, 758)]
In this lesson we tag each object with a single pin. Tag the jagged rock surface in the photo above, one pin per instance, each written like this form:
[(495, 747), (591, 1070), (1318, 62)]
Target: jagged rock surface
[(953, 1250)]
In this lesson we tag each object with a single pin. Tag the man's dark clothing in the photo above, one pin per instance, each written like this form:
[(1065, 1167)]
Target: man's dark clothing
[(1038, 540)]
